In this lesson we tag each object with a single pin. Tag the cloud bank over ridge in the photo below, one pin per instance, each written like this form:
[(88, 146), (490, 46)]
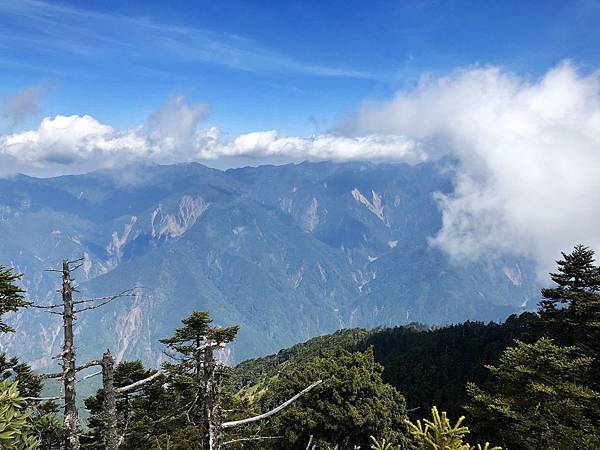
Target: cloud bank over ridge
[(174, 133), (527, 152)]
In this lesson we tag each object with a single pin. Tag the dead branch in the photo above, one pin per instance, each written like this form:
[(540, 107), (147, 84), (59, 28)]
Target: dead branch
[(77, 266), (285, 404), (90, 376), (125, 293), (257, 438), (309, 442), (105, 302), (33, 305), (210, 344), (41, 399), (73, 261), (132, 386), (93, 362)]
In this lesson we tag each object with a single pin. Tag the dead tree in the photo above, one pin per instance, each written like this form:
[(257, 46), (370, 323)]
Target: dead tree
[(210, 397), (110, 434), (212, 401), (70, 309), (109, 405), (71, 419)]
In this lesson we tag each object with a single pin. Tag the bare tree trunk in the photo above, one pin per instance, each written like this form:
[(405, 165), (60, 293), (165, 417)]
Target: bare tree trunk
[(110, 403), (71, 419), (211, 401)]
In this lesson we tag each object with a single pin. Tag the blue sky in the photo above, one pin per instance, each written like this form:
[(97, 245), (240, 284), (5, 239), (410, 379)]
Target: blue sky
[(510, 90), (296, 66)]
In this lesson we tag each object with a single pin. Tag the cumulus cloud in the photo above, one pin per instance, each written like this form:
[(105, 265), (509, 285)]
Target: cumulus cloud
[(175, 124), (70, 139), (22, 105), (174, 133), (325, 147), (528, 153), (72, 144)]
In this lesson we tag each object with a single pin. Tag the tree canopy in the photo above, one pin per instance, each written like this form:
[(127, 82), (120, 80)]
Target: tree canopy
[(11, 295)]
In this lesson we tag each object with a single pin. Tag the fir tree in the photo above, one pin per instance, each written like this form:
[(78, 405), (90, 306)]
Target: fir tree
[(571, 310), (350, 405), (137, 411), (541, 400), (439, 434), (11, 295), (195, 379), (41, 420)]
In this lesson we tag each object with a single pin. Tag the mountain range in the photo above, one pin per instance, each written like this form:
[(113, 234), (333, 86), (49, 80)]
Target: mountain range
[(287, 252)]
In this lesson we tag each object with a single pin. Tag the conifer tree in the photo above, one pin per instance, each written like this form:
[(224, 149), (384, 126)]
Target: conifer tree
[(137, 411), (11, 295), (40, 421), (541, 399), (571, 310), (351, 404), (196, 374)]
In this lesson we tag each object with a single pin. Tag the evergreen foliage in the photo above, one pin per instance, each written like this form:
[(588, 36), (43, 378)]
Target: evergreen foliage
[(186, 373), (350, 405), (38, 426), (137, 411), (257, 370), (432, 367), (30, 385), (437, 433), (571, 310), (529, 383), (540, 399), (11, 295)]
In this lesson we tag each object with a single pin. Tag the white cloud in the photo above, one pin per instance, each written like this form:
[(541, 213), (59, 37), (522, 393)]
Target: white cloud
[(325, 147), (175, 124), (22, 105), (71, 139), (173, 133), (528, 179)]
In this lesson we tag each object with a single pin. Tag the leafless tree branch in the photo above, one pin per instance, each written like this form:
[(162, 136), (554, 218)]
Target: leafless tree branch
[(285, 404), (132, 386), (125, 293), (41, 399), (33, 305), (93, 362), (106, 300), (257, 438), (91, 375)]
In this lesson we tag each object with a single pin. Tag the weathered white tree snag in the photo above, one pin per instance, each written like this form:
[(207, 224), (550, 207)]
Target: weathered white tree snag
[(69, 367), (71, 419), (109, 405), (210, 394)]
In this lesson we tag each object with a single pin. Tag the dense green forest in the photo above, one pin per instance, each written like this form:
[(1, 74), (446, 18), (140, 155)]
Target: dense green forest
[(531, 382)]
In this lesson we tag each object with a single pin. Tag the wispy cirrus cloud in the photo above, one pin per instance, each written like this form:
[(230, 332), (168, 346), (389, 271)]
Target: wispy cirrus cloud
[(51, 27)]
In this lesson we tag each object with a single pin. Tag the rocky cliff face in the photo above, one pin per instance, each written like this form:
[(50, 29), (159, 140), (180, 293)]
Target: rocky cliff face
[(287, 252)]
